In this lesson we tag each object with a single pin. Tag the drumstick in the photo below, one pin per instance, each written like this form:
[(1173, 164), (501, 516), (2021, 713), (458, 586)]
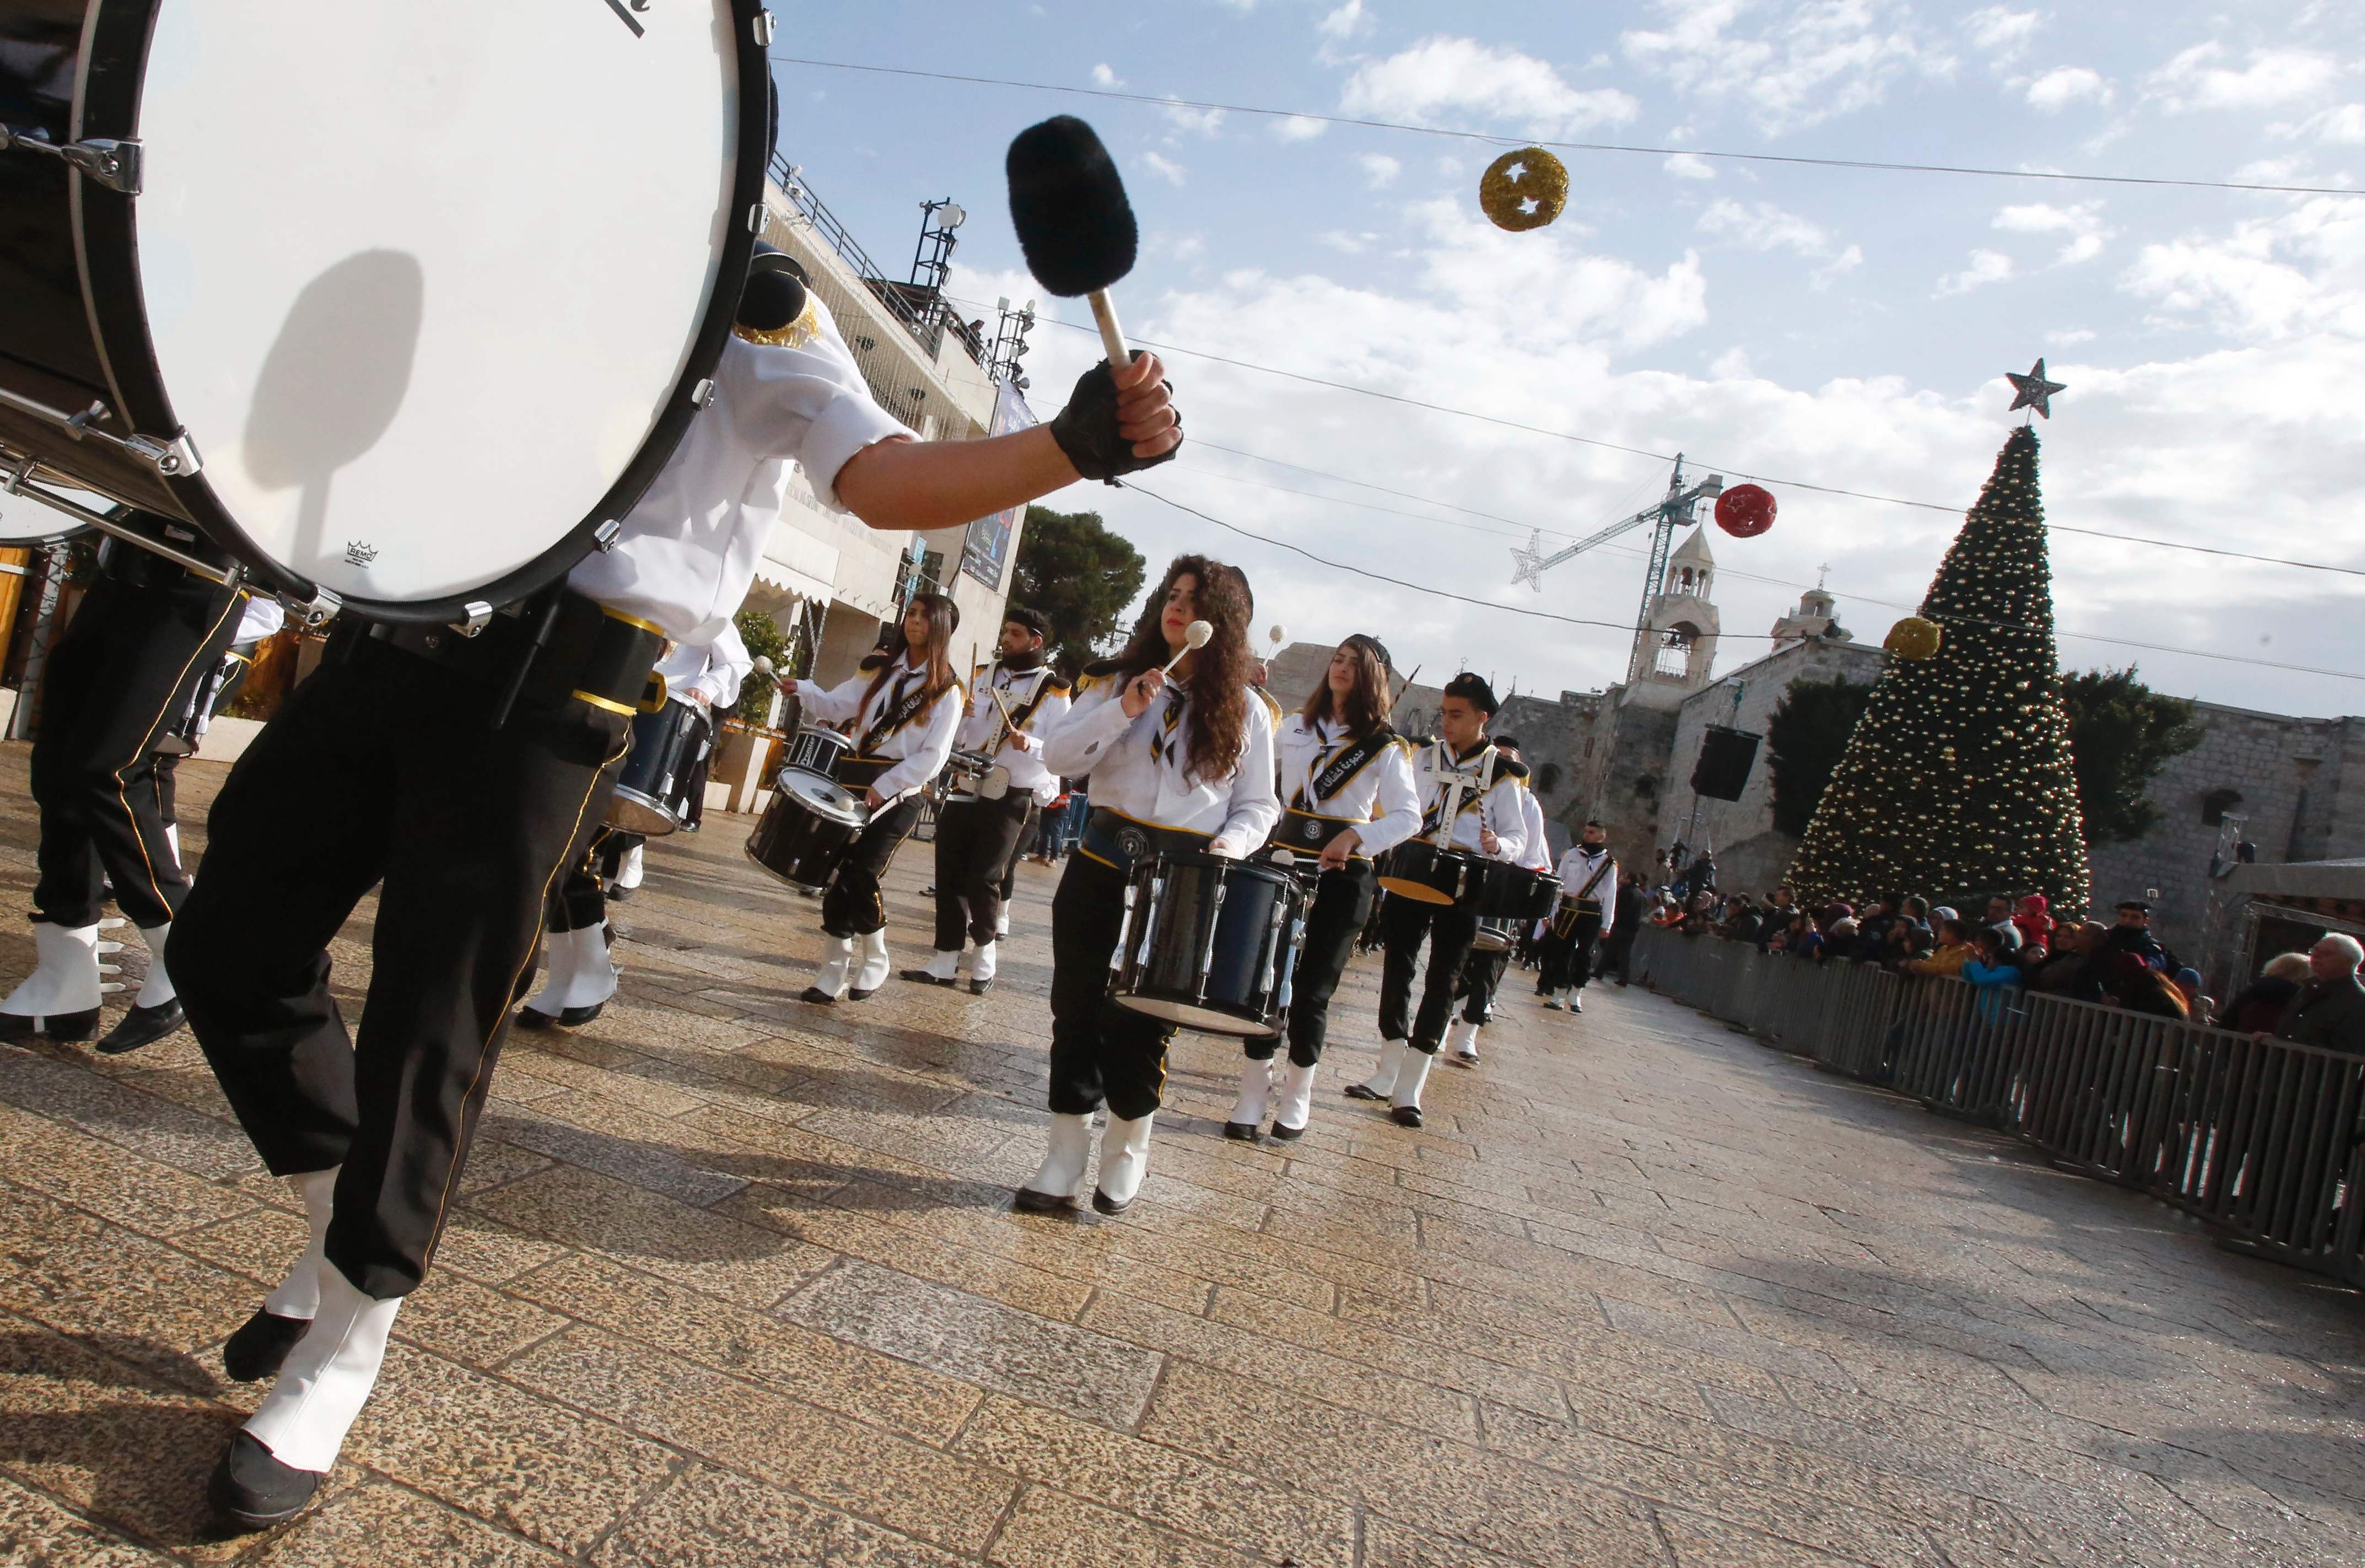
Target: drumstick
[(1196, 637), (1405, 687)]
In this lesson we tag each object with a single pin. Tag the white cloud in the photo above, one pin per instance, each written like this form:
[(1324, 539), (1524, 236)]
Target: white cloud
[(2268, 280), (2344, 126), (2001, 32), (1298, 128), (1764, 227), (1820, 60), (2083, 225), (1104, 77), (1452, 80), (1194, 122), (1847, 262), (1380, 171), (1345, 22), (1353, 244), (1986, 267), (1689, 167), (1164, 168), (2274, 76), (2067, 84)]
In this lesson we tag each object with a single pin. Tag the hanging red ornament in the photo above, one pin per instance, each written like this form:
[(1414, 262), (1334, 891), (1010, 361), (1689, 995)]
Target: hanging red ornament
[(1745, 510)]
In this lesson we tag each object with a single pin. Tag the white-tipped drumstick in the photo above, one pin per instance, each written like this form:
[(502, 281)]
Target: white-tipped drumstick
[(1195, 637)]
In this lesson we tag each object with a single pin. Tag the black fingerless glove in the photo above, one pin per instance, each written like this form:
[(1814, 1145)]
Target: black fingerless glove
[(1087, 431)]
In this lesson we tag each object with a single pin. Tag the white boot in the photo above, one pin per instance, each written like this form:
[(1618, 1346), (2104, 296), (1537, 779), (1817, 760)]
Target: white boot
[(582, 978), (1557, 1000), (1576, 999), (942, 968), (261, 1343), (1059, 1185), (830, 984), (1295, 1103), (172, 837), (156, 1011), (157, 988), (981, 969), (1125, 1161), (1001, 922), (1462, 1039), (873, 973), (61, 997), (1404, 1105), (628, 868), (328, 1377), (1383, 1081), (1256, 1094)]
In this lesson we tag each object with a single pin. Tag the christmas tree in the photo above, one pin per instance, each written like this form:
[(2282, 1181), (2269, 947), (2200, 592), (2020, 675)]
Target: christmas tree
[(1957, 782)]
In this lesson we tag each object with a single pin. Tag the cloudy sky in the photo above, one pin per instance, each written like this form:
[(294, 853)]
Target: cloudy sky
[(1841, 327)]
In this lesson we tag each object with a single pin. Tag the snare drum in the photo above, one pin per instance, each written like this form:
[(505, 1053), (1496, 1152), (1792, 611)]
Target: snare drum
[(807, 830), (1495, 936), (1426, 873), (652, 796), (1517, 894), (289, 272), (815, 751), (1206, 943)]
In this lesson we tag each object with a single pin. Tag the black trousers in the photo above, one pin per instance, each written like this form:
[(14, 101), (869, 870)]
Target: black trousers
[(383, 769), (1099, 1052), (853, 905), (1568, 960), (1342, 901), (1447, 930), (580, 900), (126, 667), (977, 844), (1482, 977), (1027, 825)]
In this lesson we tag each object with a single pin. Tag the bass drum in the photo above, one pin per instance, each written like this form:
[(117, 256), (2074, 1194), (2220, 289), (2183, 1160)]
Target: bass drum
[(399, 302), (1204, 943)]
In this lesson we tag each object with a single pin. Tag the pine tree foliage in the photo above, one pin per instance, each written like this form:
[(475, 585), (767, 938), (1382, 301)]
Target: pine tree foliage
[(1957, 781)]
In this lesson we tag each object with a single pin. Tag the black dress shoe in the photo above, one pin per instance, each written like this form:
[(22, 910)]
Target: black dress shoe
[(1363, 1091), (56, 1026), (618, 895), (855, 993), (1031, 1201), (1241, 1132), (818, 997), (980, 987), (1287, 1134), (1404, 1115), (252, 1490), (921, 977), (1107, 1205), (260, 1346), (142, 1027), (528, 1018)]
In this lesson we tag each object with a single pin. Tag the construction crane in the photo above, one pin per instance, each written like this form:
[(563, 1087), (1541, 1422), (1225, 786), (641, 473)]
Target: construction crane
[(1675, 511)]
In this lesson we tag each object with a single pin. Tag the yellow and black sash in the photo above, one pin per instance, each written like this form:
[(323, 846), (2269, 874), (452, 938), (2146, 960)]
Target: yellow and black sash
[(1584, 897), (1162, 739), (1301, 827), (902, 706)]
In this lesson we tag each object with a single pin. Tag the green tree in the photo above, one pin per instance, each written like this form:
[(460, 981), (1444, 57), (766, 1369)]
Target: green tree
[(2122, 732), (1806, 738), (1080, 575), (765, 640), (1957, 781)]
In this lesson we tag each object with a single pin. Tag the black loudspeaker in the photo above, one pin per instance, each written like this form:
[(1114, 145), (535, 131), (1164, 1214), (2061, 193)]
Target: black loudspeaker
[(1726, 757)]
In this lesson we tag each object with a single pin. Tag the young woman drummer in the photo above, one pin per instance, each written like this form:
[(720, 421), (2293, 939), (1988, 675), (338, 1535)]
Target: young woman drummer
[(1181, 762), (1348, 794), (906, 705)]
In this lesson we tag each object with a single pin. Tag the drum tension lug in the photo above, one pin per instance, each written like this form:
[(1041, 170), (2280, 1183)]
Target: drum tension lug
[(480, 616), (604, 537), (174, 459), (702, 395), (765, 26), (756, 217), (114, 164), (315, 612)]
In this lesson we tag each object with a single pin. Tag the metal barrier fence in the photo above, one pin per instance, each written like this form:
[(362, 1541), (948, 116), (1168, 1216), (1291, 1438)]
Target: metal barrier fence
[(2265, 1140)]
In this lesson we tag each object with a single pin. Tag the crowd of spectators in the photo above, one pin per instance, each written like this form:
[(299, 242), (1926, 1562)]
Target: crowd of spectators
[(2016, 944)]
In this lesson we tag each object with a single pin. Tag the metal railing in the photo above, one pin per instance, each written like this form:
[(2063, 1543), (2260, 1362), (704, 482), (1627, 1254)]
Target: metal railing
[(2264, 1140), (921, 311)]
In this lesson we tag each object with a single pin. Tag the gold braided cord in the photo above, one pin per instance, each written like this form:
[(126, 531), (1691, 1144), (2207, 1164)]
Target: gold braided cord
[(795, 335)]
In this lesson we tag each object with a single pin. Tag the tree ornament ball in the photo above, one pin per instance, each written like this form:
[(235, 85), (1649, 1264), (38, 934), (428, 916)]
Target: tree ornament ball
[(1523, 189), (1745, 510), (1913, 638)]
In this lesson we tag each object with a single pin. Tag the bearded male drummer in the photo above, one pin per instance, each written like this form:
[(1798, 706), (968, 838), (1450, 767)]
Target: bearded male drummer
[(386, 767), (1012, 704), (1463, 776)]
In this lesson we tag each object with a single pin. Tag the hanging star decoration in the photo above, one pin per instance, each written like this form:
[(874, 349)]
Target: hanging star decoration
[(2032, 391), (1527, 566)]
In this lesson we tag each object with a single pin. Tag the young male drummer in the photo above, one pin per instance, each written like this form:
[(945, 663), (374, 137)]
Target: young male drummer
[(148, 634), (386, 767), (1481, 973), (904, 705), (1587, 913), (1177, 764), (1012, 704), (1464, 776), (1348, 795)]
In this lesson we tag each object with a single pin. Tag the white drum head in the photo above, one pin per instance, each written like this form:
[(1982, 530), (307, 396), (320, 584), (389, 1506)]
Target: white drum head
[(420, 278), (827, 797), (25, 520)]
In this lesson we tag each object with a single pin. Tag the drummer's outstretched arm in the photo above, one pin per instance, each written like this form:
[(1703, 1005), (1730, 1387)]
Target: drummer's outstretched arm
[(1112, 425)]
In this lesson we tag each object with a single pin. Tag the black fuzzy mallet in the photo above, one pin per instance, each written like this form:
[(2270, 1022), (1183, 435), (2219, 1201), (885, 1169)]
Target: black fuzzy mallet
[(774, 294), (1068, 204)]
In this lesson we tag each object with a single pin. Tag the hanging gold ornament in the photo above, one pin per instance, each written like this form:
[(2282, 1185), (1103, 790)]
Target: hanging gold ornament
[(1523, 189), (1913, 638)]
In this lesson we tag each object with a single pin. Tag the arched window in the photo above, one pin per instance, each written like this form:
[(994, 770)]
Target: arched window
[(1548, 779), (2216, 803)]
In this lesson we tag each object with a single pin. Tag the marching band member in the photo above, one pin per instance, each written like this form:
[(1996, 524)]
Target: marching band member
[(1347, 789), (149, 634), (1483, 789), (1481, 973), (1180, 763), (580, 976), (386, 767), (1589, 909), (1011, 702), (904, 704)]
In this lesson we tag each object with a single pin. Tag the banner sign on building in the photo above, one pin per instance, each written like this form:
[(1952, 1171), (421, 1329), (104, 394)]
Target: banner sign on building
[(985, 555)]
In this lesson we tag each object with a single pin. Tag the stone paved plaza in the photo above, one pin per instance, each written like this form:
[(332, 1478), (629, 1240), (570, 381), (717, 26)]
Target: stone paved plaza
[(736, 1280)]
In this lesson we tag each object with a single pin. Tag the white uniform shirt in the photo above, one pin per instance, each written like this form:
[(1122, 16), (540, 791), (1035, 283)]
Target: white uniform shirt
[(687, 554), (921, 748), (1577, 869), (1380, 799), (1538, 855), (983, 727), (712, 674), (263, 617), (1434, 767), (1139, 767)]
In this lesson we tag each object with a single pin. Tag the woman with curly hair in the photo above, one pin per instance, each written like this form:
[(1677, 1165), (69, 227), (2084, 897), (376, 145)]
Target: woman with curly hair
[(1182, 762)]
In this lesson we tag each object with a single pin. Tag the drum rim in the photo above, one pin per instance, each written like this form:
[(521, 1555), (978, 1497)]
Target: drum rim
[(658, 809), (1264, 872), (107, 103), (1127, 1001)]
